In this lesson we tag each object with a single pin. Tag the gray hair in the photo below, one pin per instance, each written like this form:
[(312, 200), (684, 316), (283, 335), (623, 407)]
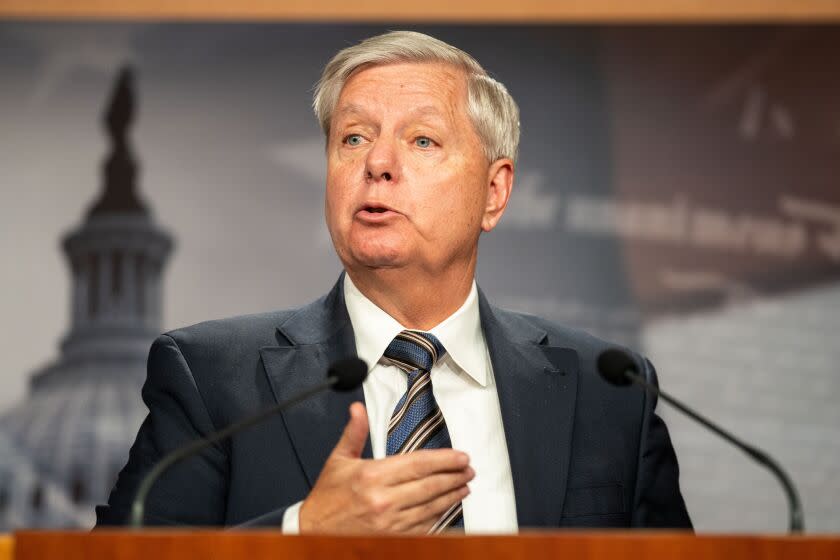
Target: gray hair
[(491, 108)]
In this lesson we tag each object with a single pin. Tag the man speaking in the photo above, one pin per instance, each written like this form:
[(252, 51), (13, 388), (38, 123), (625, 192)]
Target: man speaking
[(474, 418)]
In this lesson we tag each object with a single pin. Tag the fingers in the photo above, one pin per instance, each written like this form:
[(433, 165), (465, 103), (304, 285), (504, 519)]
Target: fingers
[(421, 491), (398, 493), (398, 469), (421, 518), (352, 441)]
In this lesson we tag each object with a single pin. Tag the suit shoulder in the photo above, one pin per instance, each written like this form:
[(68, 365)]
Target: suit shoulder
[(259, 328), (231, 342), (587, 345), (556, 333)]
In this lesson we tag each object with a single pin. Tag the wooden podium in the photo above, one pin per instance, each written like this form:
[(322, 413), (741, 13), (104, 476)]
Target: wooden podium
[(258, 545)]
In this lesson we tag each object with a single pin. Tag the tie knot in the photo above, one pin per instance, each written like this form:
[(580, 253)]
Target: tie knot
[(413, 350)]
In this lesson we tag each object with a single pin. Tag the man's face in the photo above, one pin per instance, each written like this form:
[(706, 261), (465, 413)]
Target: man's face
[(407, 179)]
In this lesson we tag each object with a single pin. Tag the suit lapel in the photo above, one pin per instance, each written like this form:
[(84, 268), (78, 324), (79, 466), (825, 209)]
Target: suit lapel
[(320, 334), (537, 388)]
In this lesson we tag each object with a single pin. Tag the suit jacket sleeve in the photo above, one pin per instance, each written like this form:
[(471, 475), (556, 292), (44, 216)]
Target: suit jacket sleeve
[(192, 492), (657, 501)]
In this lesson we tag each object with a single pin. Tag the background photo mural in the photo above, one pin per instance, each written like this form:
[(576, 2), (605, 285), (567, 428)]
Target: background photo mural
[(676, 191)]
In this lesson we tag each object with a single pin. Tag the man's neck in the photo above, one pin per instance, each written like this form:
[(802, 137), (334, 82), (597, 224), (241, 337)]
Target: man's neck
[(416, 301)]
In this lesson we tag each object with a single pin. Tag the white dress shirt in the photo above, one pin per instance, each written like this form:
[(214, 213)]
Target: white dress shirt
[(465, 390)]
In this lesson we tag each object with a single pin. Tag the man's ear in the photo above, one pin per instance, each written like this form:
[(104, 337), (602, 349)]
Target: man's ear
[(500, 184)]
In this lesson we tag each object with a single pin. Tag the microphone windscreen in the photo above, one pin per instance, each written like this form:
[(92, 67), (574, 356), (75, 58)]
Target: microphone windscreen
[(349, 373), (612, 365)]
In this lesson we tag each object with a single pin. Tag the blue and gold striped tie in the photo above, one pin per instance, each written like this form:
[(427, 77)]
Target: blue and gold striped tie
[(417, 422)]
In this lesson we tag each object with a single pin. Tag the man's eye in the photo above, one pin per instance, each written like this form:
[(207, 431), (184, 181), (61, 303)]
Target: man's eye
[(423, 142), (353, 139)]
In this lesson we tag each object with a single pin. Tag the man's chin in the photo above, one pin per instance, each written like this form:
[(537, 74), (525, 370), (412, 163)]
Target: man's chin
[(381, 259)]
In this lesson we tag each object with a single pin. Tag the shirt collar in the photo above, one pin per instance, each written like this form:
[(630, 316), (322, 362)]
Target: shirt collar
[(460, 333)]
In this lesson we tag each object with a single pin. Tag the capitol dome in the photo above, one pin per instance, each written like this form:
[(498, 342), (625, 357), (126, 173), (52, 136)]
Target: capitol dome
[(62, 447)]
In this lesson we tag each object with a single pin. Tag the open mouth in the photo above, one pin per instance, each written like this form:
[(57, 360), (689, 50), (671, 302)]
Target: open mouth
[(374, 213)]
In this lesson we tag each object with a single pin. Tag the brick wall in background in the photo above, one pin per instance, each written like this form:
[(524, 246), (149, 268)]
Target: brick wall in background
[(770, 371)]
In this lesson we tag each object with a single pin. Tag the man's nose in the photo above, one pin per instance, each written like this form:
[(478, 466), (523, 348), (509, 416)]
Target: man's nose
[(382, 162)]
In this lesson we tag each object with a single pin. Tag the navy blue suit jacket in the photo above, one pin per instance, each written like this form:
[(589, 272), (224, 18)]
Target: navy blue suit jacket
[(582, 453)]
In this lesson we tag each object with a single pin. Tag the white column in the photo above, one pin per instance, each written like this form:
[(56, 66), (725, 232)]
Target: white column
[(128, 303), (104, 295)]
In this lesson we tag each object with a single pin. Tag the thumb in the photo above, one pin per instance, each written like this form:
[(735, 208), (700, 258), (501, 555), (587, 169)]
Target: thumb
[(355, 434)]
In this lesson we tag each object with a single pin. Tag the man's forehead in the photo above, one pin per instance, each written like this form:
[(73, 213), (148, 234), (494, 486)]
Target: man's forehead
[(356, 109), (439, 82)]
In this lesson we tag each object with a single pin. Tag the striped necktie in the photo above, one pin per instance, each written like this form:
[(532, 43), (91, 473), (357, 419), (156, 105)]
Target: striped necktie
[(417, 422)]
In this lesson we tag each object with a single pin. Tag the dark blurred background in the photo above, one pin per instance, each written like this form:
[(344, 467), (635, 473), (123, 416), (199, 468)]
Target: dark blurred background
[(677, 191)]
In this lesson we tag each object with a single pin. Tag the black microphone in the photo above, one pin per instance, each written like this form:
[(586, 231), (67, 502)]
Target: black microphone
[(343, 375), (618, 368)]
